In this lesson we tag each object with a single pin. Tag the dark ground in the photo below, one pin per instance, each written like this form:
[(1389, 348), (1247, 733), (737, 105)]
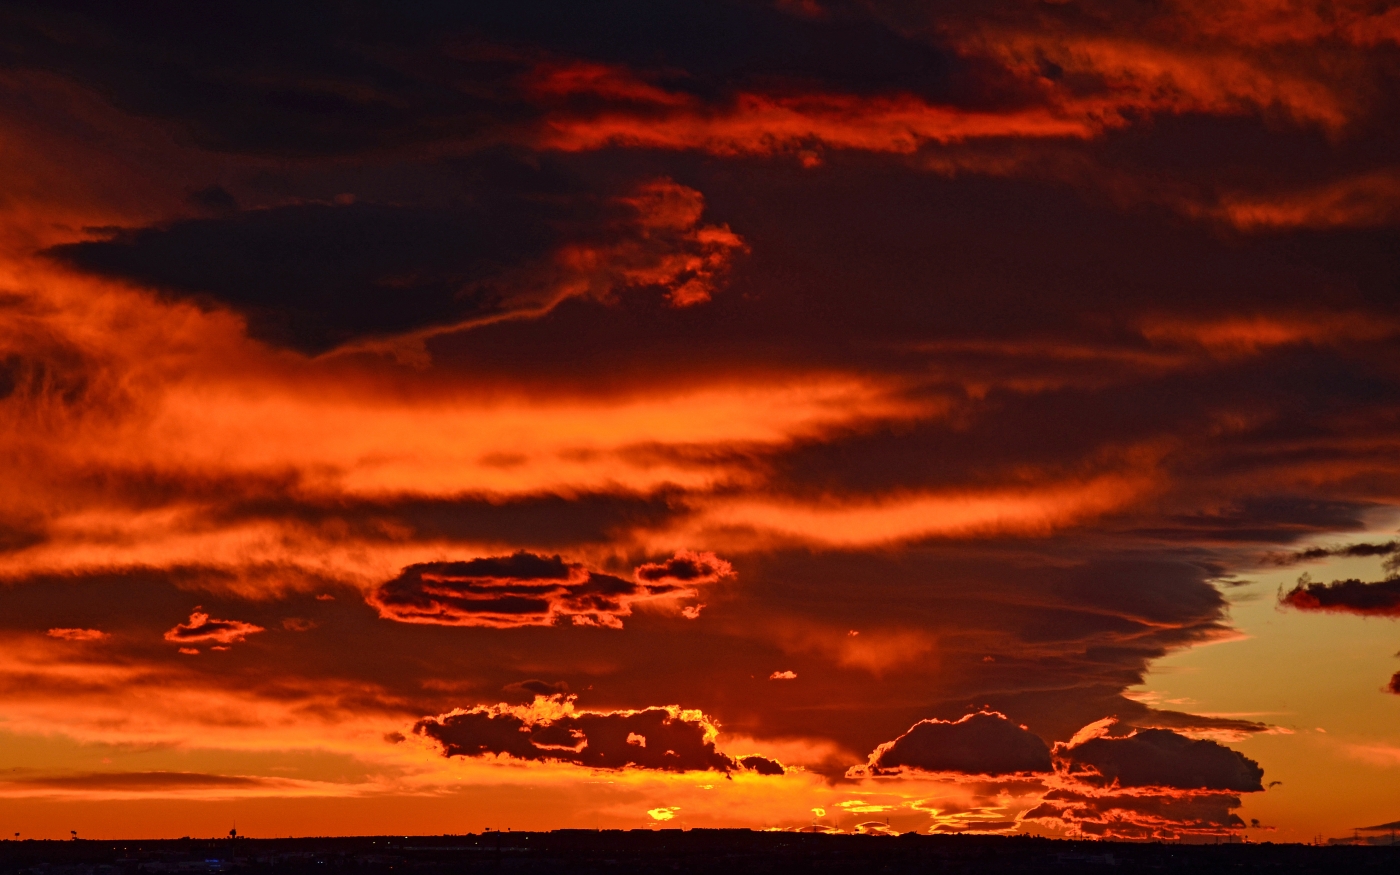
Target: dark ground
[(732, 852)]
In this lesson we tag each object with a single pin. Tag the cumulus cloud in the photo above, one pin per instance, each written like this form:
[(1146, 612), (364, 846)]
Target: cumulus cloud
[(1150, 784), (203, 629), (525, 589), (1158, 758), (551, 729), (1394, 685), (1352, 596), (983, 743)]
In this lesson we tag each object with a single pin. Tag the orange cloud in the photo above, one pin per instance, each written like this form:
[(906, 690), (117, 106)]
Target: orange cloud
[(686, 567), (1032, 510), (672, 250), (78, 634), (528, 590), (766, 124), (203, 629), (640, 114)]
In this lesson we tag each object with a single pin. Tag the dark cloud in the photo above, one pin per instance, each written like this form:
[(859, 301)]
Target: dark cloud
[(313, 276), (16, 535), (983, 743), (263, 79), (1159, 758), (762, 765), (667, 739), (518, 590), (538, 688), (1153, 718), (1389, 548), (686, 567), (331, 80), (541, 520), (47, 375), (214, 199), (1380, 598), (1394, 685), (1150, 784), (1256, 519), (203, 629), (729, 45)]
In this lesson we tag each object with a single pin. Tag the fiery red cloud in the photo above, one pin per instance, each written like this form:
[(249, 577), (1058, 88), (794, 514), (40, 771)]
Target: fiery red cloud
[(77, 634), (204, 629), (528, 590), (895, 385)]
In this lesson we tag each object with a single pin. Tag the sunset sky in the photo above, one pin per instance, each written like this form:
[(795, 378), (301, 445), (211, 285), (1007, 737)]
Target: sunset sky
[(873, 415)]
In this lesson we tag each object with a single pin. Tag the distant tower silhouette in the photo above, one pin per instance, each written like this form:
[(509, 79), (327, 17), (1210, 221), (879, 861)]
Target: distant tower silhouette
[(74, 834)]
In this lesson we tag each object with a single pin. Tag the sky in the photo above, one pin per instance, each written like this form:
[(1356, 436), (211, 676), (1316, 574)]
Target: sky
[(871, 416)]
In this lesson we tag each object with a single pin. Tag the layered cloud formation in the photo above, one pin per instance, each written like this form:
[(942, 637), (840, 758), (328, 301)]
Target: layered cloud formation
[(1152, 783), (893, 385), (1135, 784), (528, 590)]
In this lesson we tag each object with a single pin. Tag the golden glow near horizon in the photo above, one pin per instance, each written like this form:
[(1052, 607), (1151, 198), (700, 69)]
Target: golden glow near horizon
[(419, 425)]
